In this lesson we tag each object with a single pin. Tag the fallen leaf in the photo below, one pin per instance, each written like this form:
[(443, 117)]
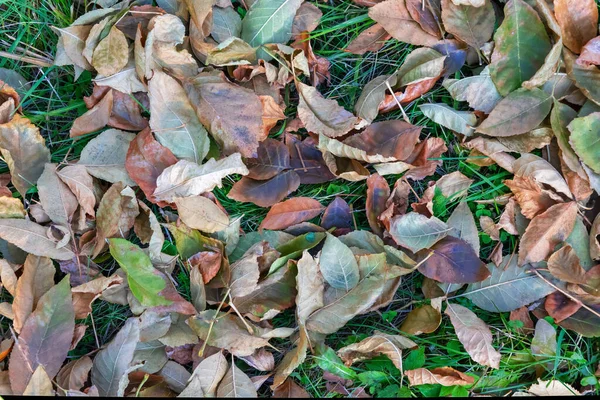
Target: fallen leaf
[(74, 374), (290, 212), (200, 213), (290, 389), (112, 53), (45, 338), (273, 158), (508, 287), (463, 226), (520, 48), (338, 214), (114, 359), (394, 138), (95, 118), (265, 193), (459, 121), (371, 39), (552, 388), (236, 383), (452, 260), (321, 115), (445, 376), (56, 197), (185, 178), (416, 232), (423, 319), (478, 91), (82, 185), (578, 22), (231, 113), (378, 191), (545, 231), (338, 265), (24, 151), (39, 384), (543, 344), (585, 140), (146, 159), (33, 239), (396, 20), (379, 344), (590, 53), (104, 156), (519, 112), (472, 25), (474, 335), (206, 376)]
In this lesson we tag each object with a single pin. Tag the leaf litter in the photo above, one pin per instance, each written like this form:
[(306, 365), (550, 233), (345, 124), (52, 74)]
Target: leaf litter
[(216, 78)]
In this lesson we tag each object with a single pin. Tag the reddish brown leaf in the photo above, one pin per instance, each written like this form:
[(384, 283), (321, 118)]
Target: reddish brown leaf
[(564, 265), (427, 15), (273, 158), (547, 230), (452, 260), (532, 199), (393, 138), (307, 161), (578, 22), (208, 262), (291, 212), (265, 193), (590, 54), (290, 390), (378, 191), (371, 39), (146, 160), (272, 113), (444, 376), (95, 119), (560, 307), (522, 314), (337, 214), (429, 149), (126, 113)]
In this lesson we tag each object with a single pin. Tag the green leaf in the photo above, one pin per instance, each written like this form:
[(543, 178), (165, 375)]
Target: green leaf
[(142, 277), (416, 232), (295, 247), (269, 21), (585, 139), (508, 287), (521, 47), (329, 361), (459, 121), (338, 265), (520, 112)]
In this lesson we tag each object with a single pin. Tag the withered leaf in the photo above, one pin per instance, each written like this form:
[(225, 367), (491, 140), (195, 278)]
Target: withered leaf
[(423, 319), (378, 192), (337, 214), (24, 151), (236, 383), (186, 178), (338, 265), (232, 114), (265, 193), (198, 212), (114, 359), (273, 158), (33, 239), (45, 338), (445, 376), (452, 260), (395, 18), (174, 121), (416, 232), (112, 53), (474, 335), (321, 115), (389, 345), (56, 197), (578, 22), (95, 118), (81, 184), (472, 25), (371, 39), (388, 138), (291, 212), (545, 231)]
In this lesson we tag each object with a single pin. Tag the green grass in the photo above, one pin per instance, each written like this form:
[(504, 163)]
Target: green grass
[(55, 99)]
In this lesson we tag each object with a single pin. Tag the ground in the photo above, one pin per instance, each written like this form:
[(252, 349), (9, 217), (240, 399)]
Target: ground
[(55, 100)]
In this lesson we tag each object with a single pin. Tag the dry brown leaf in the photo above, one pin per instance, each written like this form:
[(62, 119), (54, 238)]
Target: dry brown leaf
[(290, 390), (85, 294), (532, 199), (545, 231), (564, 264), (378, 192), (95, 118), (445, 376), (265, 193), (424, 319), (578, 22), (590, 53), (291, 212), (552, 388), (393, 15), (371, 39), (55, 196), (200, 213), (81, 184), (112, 53), (379, 344), (474, 335)]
